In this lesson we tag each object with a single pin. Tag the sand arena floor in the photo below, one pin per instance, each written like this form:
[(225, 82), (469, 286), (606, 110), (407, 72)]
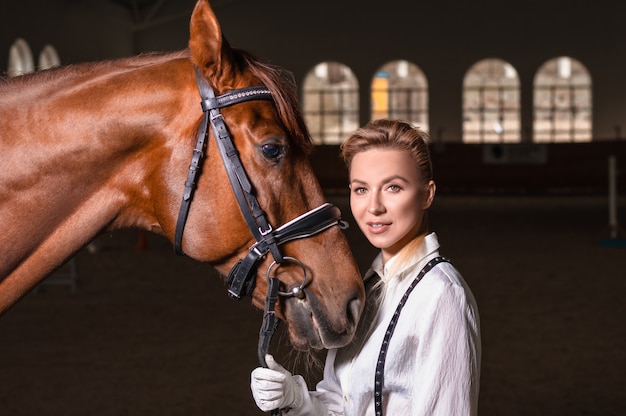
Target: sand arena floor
[(151, 333)]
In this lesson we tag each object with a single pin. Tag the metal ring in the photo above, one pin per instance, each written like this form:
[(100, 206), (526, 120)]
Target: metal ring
[(298, 291)]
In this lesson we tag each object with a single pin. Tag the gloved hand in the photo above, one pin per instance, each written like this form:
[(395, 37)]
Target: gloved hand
[(273, 387)]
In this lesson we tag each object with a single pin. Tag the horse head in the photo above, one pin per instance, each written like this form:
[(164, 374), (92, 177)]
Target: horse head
[(272, 143)]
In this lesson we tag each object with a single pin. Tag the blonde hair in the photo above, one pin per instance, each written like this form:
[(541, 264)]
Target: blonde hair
[(404, 256), (391, 134)]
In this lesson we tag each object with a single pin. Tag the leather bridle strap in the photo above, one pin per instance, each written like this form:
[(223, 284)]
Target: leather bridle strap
[(241, 278), (248, 204), (190, 185), (270, 321)]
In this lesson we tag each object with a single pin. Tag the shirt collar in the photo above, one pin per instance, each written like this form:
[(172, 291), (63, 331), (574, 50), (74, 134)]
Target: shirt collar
[(428, 247)]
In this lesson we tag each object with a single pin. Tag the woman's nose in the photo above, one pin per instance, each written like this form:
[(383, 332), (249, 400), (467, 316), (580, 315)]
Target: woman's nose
[(375, 204)]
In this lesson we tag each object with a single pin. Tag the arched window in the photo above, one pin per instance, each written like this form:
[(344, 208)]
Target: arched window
[(20, 58), (562, 102), (48, 58), (400, 90), (491, 103), (331, 102)]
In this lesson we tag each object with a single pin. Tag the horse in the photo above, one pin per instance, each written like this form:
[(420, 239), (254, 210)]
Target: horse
[(94, 147)]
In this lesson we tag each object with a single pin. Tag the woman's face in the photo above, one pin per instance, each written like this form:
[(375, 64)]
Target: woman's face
[(388, 198)]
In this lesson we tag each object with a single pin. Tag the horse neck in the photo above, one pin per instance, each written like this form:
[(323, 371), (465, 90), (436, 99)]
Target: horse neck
[(78, 148)]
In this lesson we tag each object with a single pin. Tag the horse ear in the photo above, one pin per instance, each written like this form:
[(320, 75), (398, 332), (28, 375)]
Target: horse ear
[(206, 40)]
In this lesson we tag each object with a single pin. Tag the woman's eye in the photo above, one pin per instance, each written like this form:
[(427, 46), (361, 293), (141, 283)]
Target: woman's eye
[(394, 188), (359, 191), (272, 151)]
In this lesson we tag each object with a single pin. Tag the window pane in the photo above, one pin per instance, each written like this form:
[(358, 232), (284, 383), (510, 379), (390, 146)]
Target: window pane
[(20, 59), (330, 102), (491, 108), (400, 90), (562, 102), (48, 58)]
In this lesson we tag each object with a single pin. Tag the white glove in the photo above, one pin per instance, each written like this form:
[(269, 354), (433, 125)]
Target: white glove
[(273, 387)]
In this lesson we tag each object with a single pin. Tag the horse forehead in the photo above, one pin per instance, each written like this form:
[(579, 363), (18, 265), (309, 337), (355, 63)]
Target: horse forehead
[(255, 120)]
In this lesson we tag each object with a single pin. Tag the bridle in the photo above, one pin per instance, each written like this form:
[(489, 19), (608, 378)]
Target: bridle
[(242, 277)]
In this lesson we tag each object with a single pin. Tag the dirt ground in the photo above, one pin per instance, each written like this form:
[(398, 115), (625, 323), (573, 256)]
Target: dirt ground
[(151, 333)]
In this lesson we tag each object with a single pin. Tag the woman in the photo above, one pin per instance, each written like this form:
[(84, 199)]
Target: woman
[(428, 362)]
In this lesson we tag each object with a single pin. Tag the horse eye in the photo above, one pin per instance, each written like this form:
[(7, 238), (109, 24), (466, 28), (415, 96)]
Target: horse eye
[(272, 151)]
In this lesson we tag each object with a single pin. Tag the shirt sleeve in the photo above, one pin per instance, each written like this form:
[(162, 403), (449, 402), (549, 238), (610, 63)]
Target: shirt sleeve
[(326, 400), (448, 353)]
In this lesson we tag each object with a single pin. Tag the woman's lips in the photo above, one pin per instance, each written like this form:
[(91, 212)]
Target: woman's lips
[(377, 227)]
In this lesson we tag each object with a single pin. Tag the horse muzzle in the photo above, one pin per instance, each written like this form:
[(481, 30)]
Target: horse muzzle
[(314, 327)]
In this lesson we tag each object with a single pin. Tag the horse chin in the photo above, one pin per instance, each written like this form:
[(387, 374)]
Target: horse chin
[(308, 329), (312, 338), (305, 342)]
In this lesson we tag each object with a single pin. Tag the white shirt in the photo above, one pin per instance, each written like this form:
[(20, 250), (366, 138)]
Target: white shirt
[(433, 361)]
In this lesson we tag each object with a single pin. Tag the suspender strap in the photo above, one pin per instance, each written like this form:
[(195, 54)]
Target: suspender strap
[(379, 378)]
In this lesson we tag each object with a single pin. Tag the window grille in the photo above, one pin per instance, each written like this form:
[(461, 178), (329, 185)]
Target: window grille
[(562, 102), (400, 90), (331, 103), (491, 103)]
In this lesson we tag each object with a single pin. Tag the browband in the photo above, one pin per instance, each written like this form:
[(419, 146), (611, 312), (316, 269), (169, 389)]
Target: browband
[(236, 97)]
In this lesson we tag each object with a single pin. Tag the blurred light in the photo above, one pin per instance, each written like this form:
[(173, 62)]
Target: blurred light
[(564, 65), (402, 69), (321, 71)]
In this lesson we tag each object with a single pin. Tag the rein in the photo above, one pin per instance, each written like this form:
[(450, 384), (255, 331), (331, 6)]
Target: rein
[(242, 277)]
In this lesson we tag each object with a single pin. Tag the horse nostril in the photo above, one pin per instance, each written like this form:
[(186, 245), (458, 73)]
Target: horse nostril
[(354, 311)]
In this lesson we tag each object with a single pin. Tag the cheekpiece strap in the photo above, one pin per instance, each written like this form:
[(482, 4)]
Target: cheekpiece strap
[(248, 204)]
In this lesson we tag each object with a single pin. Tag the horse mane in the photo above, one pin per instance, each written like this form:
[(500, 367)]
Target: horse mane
[(76, 69), (279, 81), (284, 91)]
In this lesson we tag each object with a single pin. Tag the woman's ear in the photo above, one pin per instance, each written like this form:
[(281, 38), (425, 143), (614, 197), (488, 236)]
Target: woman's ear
[(430, 194)]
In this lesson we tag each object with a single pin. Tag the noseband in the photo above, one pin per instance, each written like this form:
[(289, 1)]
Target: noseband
[(242, 277)]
